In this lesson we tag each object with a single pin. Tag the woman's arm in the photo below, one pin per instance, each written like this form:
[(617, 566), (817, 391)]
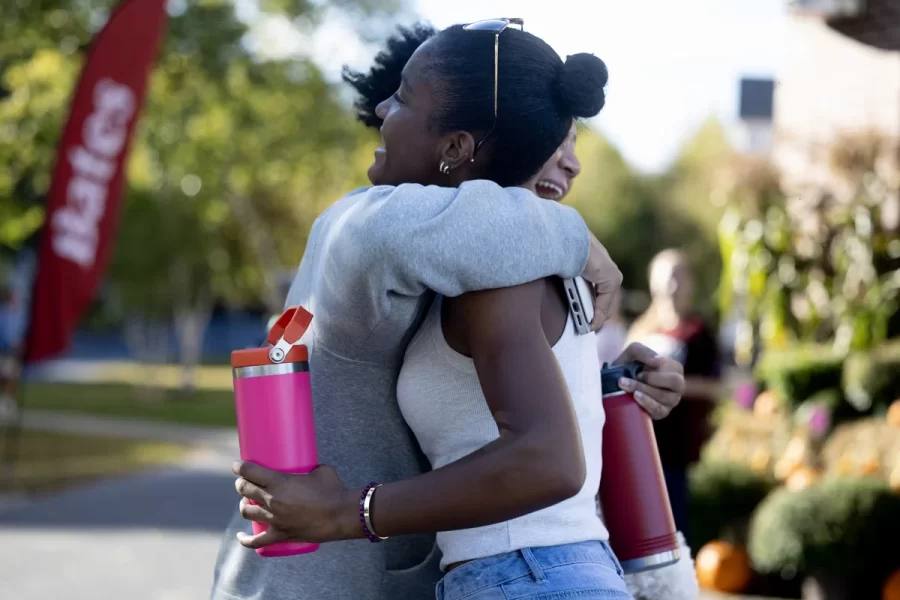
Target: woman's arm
[(707, 389), (703, 368), (537, 461), (478, 236), (385, 242)]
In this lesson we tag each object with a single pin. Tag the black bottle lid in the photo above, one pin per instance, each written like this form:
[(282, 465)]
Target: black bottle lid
[(610, 375)]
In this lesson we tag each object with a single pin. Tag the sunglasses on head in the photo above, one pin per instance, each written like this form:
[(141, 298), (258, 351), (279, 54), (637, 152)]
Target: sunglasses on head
[(495, 26)]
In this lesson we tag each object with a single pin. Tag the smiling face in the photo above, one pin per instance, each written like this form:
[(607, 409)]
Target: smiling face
[(555, 178), (410, 148)]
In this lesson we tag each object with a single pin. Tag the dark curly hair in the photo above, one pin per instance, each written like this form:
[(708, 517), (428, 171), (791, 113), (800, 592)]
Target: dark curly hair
[(539, 94), (383, 79)]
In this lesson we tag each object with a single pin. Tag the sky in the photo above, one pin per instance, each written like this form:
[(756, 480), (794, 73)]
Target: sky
[(671, 63)]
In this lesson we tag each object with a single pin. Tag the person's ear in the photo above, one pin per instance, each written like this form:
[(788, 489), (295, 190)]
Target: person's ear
[(457, 148)]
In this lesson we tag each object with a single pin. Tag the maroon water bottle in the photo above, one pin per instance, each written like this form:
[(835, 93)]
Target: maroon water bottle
[(633, 495)]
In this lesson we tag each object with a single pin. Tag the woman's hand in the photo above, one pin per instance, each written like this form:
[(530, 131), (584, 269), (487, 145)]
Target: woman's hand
[(606, 278), (299, 508), (660, 384)]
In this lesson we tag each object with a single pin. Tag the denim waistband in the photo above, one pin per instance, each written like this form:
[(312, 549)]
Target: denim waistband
[(496, 570)]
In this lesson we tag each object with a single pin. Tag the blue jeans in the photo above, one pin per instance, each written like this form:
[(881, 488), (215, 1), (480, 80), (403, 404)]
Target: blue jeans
[(587, 571)]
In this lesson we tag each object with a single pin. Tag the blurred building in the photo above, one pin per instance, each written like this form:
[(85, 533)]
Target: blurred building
[(841, 74), (753, 134)]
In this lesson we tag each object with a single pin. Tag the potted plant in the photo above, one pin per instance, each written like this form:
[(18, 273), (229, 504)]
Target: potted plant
[(829, 532)]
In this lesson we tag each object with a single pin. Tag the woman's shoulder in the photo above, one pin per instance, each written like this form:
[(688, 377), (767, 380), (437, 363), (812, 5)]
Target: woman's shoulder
[(486, 314), (497, 305)]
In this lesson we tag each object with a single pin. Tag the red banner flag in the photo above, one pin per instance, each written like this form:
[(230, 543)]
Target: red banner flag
[(86, 190)]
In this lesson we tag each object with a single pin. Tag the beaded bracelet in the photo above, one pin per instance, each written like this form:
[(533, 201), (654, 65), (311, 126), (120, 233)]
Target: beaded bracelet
[(365, 513)]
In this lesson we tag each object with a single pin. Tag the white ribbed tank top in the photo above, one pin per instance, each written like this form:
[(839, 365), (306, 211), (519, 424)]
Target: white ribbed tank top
[(441, 399)]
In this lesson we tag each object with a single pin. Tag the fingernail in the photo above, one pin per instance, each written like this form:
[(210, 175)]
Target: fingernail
[(640, 396), (626, 384)]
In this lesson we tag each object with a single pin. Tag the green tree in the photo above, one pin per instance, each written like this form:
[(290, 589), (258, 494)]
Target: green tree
[(232, 160), (689, 188), (823, 266), (690, 182), (629, 213)]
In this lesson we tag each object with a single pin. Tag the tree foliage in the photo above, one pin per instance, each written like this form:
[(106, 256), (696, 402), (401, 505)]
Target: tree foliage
[(232, 159), (634, 217), (235, 155), (822, 266)]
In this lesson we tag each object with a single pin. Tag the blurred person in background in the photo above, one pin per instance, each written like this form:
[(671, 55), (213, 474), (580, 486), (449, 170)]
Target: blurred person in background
[(439, 219), (7, 355), (670, 327), (13, 317)]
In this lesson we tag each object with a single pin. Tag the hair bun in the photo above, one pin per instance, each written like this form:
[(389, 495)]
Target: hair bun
[(580, 85)]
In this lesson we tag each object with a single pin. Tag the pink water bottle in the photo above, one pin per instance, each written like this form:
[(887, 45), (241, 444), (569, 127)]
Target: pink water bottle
[(633, 495), (273, 401)]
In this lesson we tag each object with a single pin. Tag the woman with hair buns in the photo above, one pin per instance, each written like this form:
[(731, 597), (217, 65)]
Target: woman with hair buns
[(508, 413), (553, 182)]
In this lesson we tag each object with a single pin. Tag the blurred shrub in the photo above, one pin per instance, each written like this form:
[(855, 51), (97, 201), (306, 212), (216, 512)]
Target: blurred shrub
[(831, 527), (723, 496), (796, 374), (871, 380)]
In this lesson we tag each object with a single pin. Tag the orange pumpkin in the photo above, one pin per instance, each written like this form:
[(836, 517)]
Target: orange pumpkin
[(723, 567), (766, 404), (802, 478), (891, 588), (893, 414)]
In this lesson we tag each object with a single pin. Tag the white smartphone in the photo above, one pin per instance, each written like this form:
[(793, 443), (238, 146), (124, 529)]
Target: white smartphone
[(581, 303)]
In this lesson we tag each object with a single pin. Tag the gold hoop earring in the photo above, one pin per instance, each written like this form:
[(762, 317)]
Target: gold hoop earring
[(444, 168)]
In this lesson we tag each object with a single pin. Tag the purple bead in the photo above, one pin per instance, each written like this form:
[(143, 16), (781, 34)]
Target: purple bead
[(745, 395)]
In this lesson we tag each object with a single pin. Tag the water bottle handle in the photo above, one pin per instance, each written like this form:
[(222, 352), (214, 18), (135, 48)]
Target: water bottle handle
[(287, 331)]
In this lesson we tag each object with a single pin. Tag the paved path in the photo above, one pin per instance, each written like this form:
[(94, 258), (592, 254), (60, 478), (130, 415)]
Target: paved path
[(152, 536), (212, 377), (147, 537), (223, 440)]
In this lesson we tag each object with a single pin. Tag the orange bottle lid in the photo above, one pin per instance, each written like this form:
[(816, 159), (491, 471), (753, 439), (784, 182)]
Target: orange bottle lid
[(257, 357), (285, 333)]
